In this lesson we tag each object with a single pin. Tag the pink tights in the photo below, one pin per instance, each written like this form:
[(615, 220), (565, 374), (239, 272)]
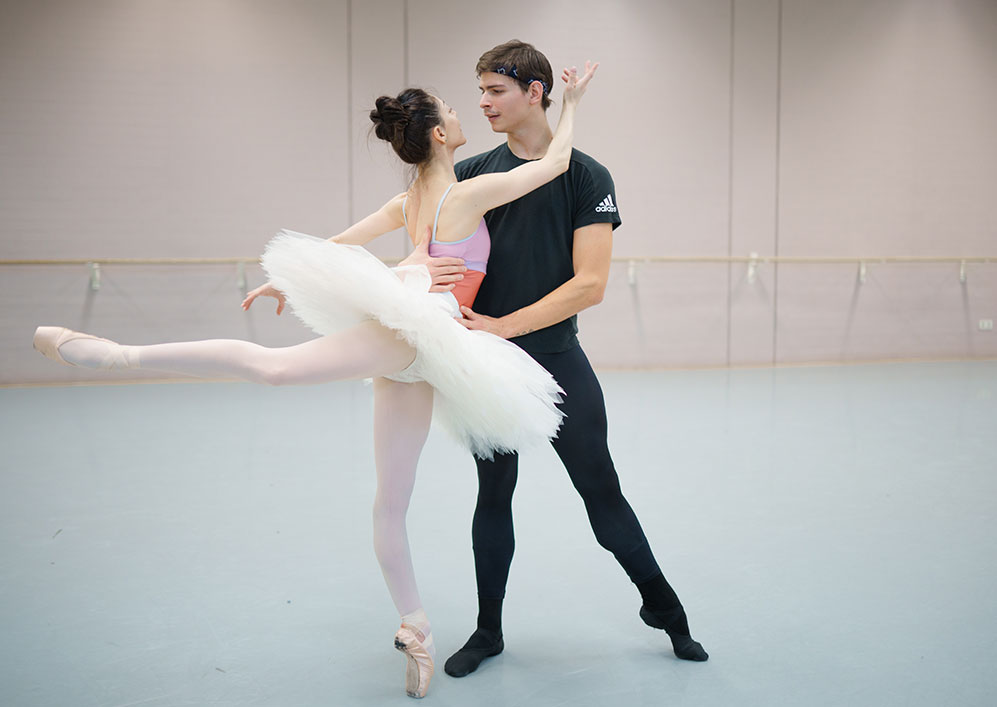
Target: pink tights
[(364, 351), (402, 414)]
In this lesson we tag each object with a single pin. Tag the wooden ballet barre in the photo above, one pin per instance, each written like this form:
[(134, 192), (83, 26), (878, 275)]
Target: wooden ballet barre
[(778, 259), (753, 260), (132, 261), (805, 259)]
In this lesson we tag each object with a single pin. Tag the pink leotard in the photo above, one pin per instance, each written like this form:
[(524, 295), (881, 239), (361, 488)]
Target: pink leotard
[(474, 250)]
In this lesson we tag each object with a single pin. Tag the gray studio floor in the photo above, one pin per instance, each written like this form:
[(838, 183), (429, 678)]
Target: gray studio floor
[(831, 530)]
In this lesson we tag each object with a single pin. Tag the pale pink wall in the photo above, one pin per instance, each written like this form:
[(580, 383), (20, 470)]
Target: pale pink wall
[(169, 128), (790, 127), (162, 128), (377, 47), (753, 178), (887, 147)]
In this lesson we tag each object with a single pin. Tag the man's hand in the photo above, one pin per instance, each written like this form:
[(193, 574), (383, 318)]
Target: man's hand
[(266, 290), (445, 272), (493, 325)]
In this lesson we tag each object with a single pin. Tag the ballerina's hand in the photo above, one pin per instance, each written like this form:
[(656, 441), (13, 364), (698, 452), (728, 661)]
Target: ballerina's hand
[(266, 290), (575, 88)]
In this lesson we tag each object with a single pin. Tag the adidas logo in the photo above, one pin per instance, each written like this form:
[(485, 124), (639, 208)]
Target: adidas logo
[(607, 205)]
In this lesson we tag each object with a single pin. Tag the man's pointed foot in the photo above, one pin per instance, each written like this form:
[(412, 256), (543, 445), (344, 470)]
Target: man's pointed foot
[(685, 647)]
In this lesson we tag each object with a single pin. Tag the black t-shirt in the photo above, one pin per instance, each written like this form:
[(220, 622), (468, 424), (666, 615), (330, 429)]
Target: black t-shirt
[(532, 239)]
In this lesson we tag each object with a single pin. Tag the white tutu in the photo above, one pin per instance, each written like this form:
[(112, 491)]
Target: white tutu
[(490, 395)]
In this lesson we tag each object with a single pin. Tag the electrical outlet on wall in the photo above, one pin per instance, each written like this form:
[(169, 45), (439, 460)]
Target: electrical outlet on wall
[(986, 325)]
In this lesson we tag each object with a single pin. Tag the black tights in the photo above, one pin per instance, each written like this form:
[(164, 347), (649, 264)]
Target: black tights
[(581, 445)]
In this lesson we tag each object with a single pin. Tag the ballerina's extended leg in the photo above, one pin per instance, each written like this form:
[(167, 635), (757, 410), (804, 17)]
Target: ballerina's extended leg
[(366, 350)]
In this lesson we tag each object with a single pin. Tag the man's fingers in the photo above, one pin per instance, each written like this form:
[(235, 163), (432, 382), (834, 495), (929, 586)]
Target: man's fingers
[(442, 288), (451, 271), (448, 262), (470, 319), (443, 279)]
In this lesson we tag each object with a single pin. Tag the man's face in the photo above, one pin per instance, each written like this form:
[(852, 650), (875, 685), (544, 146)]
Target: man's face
[(503, 101)]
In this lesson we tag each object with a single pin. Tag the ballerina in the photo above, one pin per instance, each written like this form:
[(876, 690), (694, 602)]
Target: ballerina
[(382, 323)]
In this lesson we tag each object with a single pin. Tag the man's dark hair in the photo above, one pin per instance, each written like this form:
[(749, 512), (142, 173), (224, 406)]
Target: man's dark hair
[(519, 61)]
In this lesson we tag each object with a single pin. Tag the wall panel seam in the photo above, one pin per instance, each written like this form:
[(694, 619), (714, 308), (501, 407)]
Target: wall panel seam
[(351, 176), (778, 186), (730, 188)]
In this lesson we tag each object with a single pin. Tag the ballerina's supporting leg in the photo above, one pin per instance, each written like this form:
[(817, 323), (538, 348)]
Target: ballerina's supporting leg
[(402, 416), (366, 350)]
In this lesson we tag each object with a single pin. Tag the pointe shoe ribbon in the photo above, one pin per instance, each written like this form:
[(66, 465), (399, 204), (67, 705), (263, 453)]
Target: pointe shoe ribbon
[(48, 339), (419, 669)]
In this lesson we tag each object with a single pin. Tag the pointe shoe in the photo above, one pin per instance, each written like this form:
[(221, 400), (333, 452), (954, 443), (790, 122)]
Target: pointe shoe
[(410, 641), (48, 339)]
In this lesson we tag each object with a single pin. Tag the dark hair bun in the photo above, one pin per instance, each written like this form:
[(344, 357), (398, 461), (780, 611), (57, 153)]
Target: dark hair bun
[(390, 118), (406, 121)]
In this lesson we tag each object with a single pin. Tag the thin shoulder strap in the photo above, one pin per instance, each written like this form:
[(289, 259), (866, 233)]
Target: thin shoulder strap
[(404, 218), (438, 207)]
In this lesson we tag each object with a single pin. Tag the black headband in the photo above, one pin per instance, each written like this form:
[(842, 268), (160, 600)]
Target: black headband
[(515, 74)]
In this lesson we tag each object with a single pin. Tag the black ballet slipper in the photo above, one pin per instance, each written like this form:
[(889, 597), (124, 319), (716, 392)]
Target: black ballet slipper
[(481, 645), (683, 644)]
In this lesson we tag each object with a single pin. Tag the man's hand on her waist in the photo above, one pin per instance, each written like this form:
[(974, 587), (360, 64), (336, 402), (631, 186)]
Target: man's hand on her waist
[(499, 326), (445, 272)]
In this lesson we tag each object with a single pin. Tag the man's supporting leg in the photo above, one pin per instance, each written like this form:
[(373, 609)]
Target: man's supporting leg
[(494, 543), (581, 444)]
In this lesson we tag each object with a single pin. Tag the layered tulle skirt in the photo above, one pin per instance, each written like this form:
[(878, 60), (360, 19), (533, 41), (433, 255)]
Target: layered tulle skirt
[(489, 394)]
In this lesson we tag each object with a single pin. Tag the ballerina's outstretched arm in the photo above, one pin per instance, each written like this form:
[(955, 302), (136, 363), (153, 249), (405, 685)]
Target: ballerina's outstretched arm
[(444, 272)]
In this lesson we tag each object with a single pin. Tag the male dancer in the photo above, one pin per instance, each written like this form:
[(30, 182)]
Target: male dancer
[(550, 258)]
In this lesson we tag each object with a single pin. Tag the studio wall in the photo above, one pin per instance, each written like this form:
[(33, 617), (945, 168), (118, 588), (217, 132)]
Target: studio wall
[(794, 128)]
